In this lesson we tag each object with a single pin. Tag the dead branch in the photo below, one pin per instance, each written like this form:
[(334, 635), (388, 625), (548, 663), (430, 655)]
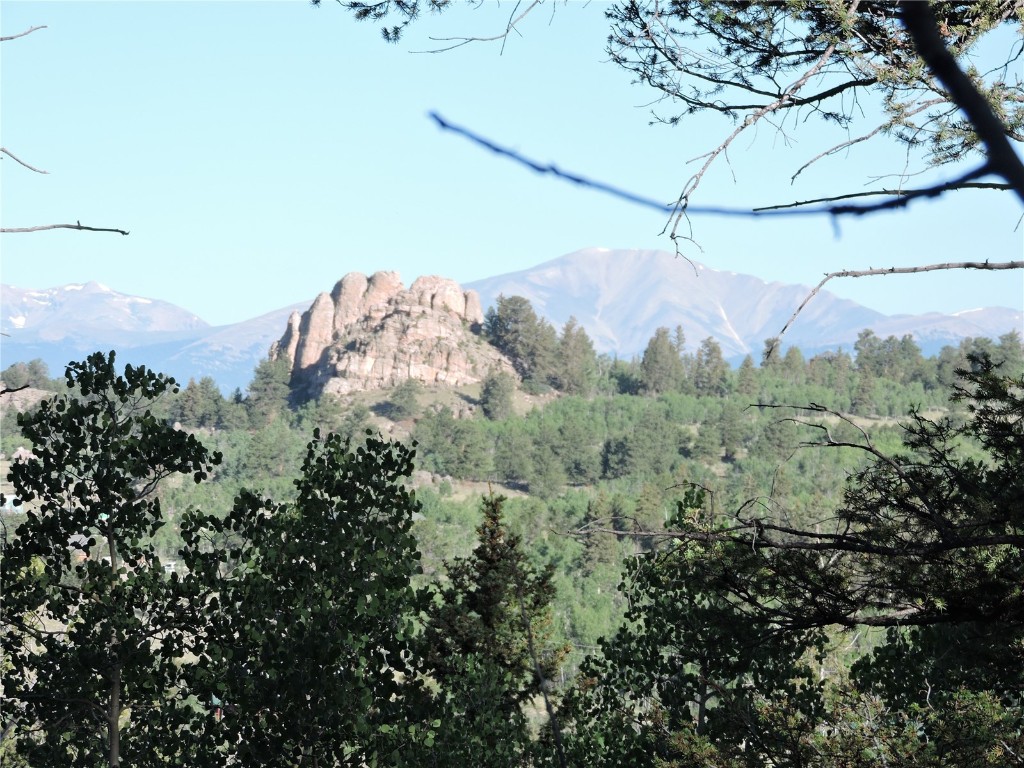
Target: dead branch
[(871, 134), (986, 265), (28, 31), (911, 193), (458, 42), (903, 200), (18, 160), (76, 225)]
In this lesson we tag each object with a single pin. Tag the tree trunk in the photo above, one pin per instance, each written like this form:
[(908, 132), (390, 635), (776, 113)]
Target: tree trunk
[(113, 719)]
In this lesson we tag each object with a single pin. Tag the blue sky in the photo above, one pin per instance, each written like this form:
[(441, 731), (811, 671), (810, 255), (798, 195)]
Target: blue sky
[(258, 151)]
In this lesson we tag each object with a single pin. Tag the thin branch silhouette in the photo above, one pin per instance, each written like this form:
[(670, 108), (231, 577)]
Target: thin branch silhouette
[(76, 225), (28, 31), (6, 151), (458, 42), (904, 196), (983, 265)]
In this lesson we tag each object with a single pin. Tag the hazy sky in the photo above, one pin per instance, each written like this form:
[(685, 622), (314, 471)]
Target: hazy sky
[(258, 151)]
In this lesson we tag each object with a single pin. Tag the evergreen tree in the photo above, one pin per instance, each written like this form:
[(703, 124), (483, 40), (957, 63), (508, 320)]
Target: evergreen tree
[(269, 391), (793, 366), (732, 429), (708, 444), (863, 403), (661, 368), (513, 455), (576, 365), (403, 400), (1010, 353), (496, 395), (711, 372), (492, 619), (200, 404), (528, 341), (600, 548), (746, 377), (233, 412), (451, 446)]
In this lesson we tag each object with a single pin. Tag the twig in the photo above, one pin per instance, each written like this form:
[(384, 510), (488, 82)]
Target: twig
[(76, 225), (10, 154), (458, 42), (849, 143), (28, 31), (547, 168), (987, 265), (912, 193)]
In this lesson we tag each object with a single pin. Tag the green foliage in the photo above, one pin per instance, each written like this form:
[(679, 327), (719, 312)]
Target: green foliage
[(403, 401), (496, 395), (200, 405), (486, 642), (575, 370), (311, 628), (528, 341), (268, 391), (85, 593), (453, 446), (711, 375), (688, 670), (253, 582), (34, 373), (661, 368), (722, 657)]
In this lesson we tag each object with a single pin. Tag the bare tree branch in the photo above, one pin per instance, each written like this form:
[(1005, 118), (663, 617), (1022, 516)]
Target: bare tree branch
[(902, 199), (458, 42), (871, 134), (28, 31), (10, 154), (984, 265), (77, 225), (951, 186)]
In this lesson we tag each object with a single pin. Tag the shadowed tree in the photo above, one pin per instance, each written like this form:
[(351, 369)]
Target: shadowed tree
[(94, 632)]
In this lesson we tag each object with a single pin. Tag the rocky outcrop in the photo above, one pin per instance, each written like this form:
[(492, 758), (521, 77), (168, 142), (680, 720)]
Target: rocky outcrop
[(373, 333)]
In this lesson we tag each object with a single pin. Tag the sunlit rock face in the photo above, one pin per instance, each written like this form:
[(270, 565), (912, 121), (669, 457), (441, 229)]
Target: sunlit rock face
[(372, 333)]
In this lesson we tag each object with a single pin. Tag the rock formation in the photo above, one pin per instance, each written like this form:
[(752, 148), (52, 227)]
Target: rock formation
[(373, 333)]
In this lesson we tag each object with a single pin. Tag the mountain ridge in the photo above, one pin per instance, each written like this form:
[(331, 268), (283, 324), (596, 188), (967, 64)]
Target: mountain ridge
[(619, 296)]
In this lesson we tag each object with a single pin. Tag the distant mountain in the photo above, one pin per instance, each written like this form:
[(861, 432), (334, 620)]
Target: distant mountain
[(619, 296), (68, 322), (622, 296), (81, 312)]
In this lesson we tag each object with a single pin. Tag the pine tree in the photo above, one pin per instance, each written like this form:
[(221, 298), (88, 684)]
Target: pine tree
[(576, 367), (488, 631), (661, 368), (496, 395)]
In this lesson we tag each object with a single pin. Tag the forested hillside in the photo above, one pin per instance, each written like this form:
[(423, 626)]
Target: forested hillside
[(527, 533)]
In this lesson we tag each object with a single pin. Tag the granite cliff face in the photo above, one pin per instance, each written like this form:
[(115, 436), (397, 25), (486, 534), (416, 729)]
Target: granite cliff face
[(372, 333)]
